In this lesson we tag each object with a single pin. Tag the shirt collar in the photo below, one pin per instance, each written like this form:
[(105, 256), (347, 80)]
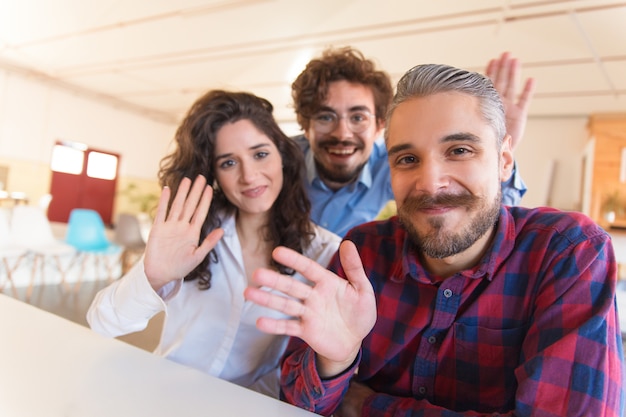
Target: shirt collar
[(228, 225)]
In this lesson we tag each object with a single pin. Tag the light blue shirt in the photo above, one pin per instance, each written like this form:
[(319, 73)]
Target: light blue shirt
[(361, 201), (513, 189)]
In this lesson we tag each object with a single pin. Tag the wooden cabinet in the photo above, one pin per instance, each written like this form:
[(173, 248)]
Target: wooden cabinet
[(605, 167)]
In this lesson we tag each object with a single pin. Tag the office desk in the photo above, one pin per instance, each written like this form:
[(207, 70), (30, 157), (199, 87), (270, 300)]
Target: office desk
[(53, 367)]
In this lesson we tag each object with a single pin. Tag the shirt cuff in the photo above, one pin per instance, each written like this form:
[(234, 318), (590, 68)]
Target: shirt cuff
[(140, 298)]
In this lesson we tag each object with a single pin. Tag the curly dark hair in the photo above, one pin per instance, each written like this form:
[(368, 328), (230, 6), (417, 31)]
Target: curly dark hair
[(289, 223), (310, 89)]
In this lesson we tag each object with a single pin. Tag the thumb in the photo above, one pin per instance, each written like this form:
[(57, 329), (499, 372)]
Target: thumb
[(353, 267), (210, 241)]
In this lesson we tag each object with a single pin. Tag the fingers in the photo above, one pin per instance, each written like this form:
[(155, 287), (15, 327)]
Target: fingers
[(185, 202), (286, 305), (161, 212), (179, 200), (353, 266), (210, 241), (202, 209), (280, 326), (504, 72), (311, 270), (191, 202), (527, 94), (283, 283), (512, 76), (300, 263)]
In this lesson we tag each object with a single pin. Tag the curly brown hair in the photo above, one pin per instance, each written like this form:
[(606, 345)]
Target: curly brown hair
[(289, 223), (310, 89)]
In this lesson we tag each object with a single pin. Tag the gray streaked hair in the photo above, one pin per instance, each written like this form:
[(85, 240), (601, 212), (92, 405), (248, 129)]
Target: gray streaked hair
[(428, 79)]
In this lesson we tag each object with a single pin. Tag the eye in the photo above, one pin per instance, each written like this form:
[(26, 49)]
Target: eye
[(261, 155), (359, 117), (325, 117), (227, 164), (406, 160), (460, 151)]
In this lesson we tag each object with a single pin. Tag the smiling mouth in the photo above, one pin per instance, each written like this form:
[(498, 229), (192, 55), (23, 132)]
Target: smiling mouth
[(437, 209), (341, 151), (254, 192)]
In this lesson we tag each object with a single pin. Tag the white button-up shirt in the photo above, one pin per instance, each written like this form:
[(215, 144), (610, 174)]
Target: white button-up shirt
[(212, 330)]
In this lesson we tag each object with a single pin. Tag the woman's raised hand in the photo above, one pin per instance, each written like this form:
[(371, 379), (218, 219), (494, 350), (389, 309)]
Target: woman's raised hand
[(173, 248)]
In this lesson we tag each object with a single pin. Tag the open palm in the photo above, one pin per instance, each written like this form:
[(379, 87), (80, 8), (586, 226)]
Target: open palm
[(332, 316), (173, 248), (505, 73)]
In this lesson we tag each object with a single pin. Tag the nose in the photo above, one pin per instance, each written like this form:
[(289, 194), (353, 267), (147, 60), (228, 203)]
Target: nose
[(342, 128), (431, 177), (248, 172)]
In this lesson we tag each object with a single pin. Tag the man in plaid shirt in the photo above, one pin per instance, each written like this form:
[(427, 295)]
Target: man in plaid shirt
[(459, 306)]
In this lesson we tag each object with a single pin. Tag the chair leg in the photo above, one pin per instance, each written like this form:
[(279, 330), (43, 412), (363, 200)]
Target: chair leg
[(9, 270), (37, 260), (63, 271), (81, 272), (113, 261)]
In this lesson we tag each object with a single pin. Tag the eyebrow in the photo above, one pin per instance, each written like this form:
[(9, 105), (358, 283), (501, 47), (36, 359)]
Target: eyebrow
[(252, 148), (455, 137), (351, 109)]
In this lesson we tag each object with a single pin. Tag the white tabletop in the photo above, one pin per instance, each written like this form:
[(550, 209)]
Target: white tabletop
[(51, 367)]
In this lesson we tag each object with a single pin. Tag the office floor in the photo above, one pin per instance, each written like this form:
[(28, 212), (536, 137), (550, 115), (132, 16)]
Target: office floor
[(73, 306)]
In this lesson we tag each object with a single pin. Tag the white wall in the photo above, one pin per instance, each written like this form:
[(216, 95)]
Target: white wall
[(560, 142), (34, 114)]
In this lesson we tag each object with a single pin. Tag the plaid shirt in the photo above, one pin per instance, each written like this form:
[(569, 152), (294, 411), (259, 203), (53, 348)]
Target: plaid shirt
[(531, 330)]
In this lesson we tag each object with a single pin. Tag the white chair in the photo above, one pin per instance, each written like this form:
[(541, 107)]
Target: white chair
[(128, 235), (32, 230), (44, 202), (11, 255)]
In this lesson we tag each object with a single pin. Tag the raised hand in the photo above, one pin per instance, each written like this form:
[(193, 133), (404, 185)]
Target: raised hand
[(332, 316), (172, 250), (505, 75)]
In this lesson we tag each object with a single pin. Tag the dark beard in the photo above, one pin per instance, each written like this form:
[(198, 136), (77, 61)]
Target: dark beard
[(439, 244), (340, 176)]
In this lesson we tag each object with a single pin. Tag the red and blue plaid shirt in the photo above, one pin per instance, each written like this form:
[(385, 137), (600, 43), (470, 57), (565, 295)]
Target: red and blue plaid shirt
[(531, 330)]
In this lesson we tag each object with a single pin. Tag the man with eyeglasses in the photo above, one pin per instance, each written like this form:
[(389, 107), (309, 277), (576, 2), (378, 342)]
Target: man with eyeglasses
[(341, 101)]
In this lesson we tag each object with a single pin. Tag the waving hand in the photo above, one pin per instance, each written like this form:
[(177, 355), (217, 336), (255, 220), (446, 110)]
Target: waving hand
[(332, 316), (505, 75), (172, 250)]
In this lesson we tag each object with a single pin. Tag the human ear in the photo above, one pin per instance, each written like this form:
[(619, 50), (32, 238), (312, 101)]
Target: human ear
[(507, 161)]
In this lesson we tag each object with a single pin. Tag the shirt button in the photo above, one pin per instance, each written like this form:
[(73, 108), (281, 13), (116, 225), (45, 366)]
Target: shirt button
[(317, 390), (422, 390), (447, 293), (432, 340)]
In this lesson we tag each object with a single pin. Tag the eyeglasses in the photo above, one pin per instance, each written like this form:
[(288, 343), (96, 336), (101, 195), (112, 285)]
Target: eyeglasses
[(327, 121)]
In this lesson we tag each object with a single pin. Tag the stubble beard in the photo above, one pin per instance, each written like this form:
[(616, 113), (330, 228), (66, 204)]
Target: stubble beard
[(338, 173), (439, 243)]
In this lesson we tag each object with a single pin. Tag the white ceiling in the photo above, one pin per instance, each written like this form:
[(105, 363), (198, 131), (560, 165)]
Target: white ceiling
[(157, 56)]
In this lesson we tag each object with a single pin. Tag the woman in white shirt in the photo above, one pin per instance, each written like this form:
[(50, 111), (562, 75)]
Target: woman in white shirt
[(207, 241)]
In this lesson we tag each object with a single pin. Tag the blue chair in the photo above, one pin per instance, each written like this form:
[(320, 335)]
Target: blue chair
[(87, 234)]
